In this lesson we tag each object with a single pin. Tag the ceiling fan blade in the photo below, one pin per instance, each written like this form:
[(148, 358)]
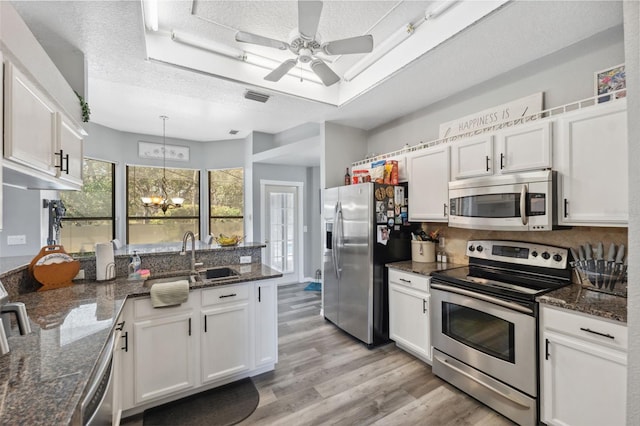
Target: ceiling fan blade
[(325, 73), (308, 18), (282, 69), (360, 44), (244, 37)]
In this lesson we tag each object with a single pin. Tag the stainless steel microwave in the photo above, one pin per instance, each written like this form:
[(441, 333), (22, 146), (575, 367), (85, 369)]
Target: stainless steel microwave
[(513, 202)]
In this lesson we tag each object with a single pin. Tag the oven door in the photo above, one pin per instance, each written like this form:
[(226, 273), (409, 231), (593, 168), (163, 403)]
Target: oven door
[(492, 335), (517, 206)]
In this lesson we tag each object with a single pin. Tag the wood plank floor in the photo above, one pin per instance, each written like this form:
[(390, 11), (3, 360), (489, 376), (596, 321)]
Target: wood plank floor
[(324, 376)]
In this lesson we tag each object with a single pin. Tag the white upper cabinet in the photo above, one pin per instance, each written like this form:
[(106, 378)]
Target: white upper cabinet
[(472, 157), (518, 148), (524, 147), (30, 123), (429, 184), (593, 166)]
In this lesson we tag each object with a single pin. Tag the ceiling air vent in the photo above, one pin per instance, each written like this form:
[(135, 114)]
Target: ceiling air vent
[(255, 96), (233, 132)]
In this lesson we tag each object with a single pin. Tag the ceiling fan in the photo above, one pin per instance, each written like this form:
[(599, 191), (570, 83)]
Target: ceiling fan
[(305, 42)]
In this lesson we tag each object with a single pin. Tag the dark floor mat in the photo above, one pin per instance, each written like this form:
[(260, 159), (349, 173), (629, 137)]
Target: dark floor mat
[(226, 405)]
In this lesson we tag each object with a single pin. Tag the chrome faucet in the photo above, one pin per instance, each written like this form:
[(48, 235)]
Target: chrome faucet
[(193, 250)]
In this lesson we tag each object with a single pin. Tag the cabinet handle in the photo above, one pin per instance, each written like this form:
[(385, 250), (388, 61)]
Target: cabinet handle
[(607, 335), (487, 158), (62, 160), (189, 326), (501, 161), (125, 336), (546, 349), (259, 294), (222, 296), (405, 281), (445, 209), (566, 207), (424, 306), (66, 159), (205, 323), (120, 326)]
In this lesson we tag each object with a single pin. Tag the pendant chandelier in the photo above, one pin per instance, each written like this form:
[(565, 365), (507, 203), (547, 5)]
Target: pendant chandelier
[(162, 201)]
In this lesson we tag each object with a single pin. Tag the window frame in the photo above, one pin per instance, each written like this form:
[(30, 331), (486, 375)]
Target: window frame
[(126, 198), (209, 216), (113, 201)]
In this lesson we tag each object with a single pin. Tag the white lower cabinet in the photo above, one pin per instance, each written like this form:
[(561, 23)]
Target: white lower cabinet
[(409, 324), (221, 334), (225, 341), (583, 369)]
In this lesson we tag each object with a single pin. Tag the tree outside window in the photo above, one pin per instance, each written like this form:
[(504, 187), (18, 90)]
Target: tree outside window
[(226, 202), (146, 225), (90, 212)]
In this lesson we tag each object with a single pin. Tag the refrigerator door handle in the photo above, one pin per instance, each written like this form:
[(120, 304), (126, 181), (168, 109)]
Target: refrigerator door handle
[(339, 235), (334, 240)]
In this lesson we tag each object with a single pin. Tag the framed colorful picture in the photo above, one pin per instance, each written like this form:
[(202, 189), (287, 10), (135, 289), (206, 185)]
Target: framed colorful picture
[(610, 80)]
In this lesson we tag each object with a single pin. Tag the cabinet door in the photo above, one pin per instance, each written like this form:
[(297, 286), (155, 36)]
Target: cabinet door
[(583, 383), (429, 184), (226, 341), (69, 152), (409, 320), (524, 147), (266, 323), (472, 157), (594, 169), (164, 351), (30, 123)]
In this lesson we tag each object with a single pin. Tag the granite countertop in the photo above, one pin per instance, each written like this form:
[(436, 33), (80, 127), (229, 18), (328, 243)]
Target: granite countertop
[(575, 297), (44, 376), (422, 268)]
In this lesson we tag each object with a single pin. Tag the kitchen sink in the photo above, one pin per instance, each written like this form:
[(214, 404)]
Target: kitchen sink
[(219, 274), (150, 282)]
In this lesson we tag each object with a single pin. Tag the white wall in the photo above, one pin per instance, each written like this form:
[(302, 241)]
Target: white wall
[(632, 66), (565, 76), (21, 213), (342, 146)]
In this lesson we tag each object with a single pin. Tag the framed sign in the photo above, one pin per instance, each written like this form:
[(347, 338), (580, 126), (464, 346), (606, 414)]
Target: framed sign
[(610, 80), (157, 151)]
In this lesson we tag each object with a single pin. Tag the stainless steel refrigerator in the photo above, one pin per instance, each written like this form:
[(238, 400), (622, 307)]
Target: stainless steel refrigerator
[(365, 228)]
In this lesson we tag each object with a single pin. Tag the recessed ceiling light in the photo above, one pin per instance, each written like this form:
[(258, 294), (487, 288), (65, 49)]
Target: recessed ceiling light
[(256, 96)]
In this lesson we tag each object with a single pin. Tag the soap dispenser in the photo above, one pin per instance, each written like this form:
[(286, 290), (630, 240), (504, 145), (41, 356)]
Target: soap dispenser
[(134, 264)]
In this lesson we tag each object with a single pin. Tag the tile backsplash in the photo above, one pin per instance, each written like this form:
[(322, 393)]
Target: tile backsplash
[(456, 238)]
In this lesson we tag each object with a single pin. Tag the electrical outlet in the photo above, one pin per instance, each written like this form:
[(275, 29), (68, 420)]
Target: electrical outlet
[(245, 259), (14, 240), (79, 275)]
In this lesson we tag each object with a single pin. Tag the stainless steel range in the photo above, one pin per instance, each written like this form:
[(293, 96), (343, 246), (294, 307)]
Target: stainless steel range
[(484, 326)]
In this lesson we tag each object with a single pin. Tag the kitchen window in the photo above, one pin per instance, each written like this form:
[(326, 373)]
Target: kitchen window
[(90, 212), (226, 202), (147, 225)]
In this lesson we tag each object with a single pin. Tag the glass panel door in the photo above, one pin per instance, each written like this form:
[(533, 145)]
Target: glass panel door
[(281, 211)]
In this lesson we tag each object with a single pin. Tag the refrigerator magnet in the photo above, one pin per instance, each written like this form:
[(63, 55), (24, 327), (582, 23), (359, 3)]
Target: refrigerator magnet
[(399, 195)]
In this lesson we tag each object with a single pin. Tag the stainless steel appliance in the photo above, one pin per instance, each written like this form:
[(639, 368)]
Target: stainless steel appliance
[(513, 202), (365, 228), (484, 322)]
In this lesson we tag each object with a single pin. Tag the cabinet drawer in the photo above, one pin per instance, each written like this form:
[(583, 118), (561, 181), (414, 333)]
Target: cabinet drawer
[(587, 327), (142, 308), (225, 294), (408, 279)]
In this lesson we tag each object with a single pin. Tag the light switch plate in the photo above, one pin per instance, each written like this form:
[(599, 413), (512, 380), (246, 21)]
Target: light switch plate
[(14, 240), (245, 259)]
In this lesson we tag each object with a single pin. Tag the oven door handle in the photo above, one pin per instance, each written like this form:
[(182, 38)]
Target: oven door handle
[(484, 297), (523, 204), (485, 385)]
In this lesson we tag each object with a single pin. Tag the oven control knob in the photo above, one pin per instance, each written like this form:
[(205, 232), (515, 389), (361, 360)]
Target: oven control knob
[(472, 248), (534, 253), (479, 248), (545, 255), (557, 257)]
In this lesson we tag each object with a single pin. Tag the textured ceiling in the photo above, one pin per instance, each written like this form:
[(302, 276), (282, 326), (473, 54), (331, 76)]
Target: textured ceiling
[(128, 93)]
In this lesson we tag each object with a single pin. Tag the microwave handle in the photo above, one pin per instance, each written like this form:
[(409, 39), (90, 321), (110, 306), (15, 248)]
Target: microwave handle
[(523, 204)]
